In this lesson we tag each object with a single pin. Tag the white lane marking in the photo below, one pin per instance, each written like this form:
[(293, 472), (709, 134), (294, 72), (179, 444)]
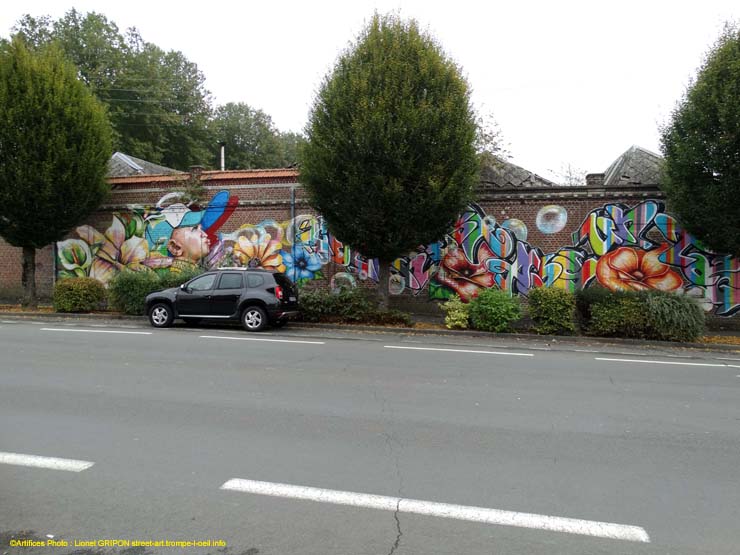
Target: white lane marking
[(662, 362), (458, 351), (37, 461), (262, 339), (585, 351), (443, 510), (99, 331), (9, 322), (732, 359)]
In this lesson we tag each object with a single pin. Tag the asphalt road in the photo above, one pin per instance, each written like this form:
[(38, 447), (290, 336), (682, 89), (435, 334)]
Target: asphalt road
[(509, 448)]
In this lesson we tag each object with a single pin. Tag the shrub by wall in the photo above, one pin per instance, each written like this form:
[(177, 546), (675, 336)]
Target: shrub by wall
[(457, 314), (494, 310), (349, 306), (81, 294), (618, 316), (674, 317), (128, 290), (653, 314), (553, 310)]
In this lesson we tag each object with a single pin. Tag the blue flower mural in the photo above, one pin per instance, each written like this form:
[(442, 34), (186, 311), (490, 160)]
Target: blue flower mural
[(301, 263)]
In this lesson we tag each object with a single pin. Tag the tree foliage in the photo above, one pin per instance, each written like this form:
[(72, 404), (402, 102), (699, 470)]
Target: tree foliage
[(158, 104), (390, 158), (54, 146), (251, 139), (701, 146)]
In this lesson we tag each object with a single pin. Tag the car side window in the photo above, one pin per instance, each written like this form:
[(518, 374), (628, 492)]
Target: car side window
[(230, 280), (202, 283), (255, 280)]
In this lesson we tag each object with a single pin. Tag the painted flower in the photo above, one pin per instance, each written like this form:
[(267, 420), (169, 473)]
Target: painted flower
[(629, 269), (300, 263), (259, 251), (466, 279), (115, 252), (75, 257)]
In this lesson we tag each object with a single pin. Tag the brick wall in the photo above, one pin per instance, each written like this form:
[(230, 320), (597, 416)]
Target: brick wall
[(266, 195)]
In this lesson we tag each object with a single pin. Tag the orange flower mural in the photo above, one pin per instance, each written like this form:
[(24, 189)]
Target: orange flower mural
[(629, 269), (461, 276)]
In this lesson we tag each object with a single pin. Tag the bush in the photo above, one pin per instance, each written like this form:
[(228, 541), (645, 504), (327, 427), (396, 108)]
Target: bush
[(553, 310), (494, 310), (673, 317), (653, 314), (81, 294), (618, 316), (457, 314), (349, 305), (586, 298), (128, 290)]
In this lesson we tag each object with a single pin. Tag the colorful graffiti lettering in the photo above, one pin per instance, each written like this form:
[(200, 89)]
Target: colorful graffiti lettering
[(620, 247)]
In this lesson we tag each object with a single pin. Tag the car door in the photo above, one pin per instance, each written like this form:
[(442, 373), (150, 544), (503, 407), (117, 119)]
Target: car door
[(226, 295), (194, 299)]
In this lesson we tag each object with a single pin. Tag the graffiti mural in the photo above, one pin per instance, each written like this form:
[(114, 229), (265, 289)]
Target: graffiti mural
[(617, 246)]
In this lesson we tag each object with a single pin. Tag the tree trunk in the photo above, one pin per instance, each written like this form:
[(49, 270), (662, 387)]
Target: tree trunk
[(384, 274), (28, 279)]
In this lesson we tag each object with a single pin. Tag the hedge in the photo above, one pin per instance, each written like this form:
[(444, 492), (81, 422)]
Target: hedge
[(82, 294)]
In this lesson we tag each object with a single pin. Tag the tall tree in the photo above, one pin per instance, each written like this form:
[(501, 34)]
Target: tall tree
[(390, 158), (158, 104), (54, 146), (701, 146), (249, 136)]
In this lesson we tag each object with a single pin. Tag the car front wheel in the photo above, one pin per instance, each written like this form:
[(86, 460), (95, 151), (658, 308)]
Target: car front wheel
[(254, 318), (161, 315)]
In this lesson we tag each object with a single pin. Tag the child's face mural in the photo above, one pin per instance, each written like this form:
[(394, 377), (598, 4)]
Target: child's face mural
[(189, 243)]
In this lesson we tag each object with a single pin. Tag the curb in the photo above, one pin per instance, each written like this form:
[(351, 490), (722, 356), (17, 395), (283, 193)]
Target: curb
[(383, 329)]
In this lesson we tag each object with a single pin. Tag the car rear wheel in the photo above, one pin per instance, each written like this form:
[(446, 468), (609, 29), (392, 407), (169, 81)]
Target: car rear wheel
[(254, 318), (161, 315)]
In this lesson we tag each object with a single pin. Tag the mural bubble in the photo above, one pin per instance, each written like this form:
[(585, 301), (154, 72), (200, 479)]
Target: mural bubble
[(342, 281), (517, 227), (551, 218), (396, 284)]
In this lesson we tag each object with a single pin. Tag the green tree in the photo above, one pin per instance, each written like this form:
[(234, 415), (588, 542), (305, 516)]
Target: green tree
[(249, 136), (701, 146), (55, 141), (157, 100), (390, 159)]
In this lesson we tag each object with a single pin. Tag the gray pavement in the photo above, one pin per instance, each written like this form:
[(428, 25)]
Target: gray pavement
[(649, 438)]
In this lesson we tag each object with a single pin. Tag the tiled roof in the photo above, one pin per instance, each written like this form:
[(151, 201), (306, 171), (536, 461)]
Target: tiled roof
[(505, 175), (637, 166), (122, 165), (250, 174)]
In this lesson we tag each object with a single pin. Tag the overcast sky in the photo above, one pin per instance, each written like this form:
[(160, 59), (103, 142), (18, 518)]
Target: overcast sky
[(569, 83)]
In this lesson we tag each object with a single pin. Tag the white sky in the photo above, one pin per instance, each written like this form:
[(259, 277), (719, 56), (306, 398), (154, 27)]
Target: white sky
[(568, 82)]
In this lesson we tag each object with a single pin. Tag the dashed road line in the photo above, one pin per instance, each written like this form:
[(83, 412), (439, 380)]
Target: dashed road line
[(443, 510), (98, 331), (262, 339), (662, 362), (458, 351), (54, 463)]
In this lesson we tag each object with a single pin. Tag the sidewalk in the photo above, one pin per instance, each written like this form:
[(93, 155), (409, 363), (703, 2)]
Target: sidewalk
[(424, 325)]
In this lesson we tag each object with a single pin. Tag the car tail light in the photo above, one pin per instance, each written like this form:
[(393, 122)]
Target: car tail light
[(279, 293)]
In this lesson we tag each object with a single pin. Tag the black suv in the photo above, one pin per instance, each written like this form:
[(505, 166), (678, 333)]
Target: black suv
[(254, 297)]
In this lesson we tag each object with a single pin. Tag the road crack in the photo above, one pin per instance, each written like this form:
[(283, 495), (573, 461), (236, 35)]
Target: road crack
[(386, 410)]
